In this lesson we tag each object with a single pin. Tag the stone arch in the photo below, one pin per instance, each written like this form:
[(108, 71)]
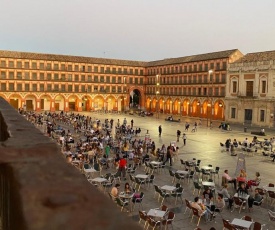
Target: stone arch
[(186, 107), (73, 102), (110, 103), (176, 106), (59, 103), (86, 103), (16, 101), (196, 108), (30, 102), (148, 104), (45, 102), (99, 102), (218, 110)]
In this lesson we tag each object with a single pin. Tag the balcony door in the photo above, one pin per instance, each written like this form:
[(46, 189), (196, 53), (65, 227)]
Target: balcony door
[(249, 88)]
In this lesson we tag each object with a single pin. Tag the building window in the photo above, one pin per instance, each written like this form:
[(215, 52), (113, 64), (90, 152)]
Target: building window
[(41, 66), (41, 76), (41, 87), (96, 69), (19, 75), (3, 75), (233, 113), (263, 87), (3, 63), (62, 87), (224, 65), (70, 88), (34, 65), (89, 78), (27, 76), (101, 78), (262, 115), (234, 87), (19, 64), (49, 76), (70, 68), (56, 88), (70, 77), (27, 87), (27, 65), (3, 86), (34, 87), (49, 66), (56, 77), (82, 77), (11, 86), (62, 66), (76, 78), (49, 87), (205, 67), (19, 87), (102, 69), (76, 68), (89, 68), (11, 64), (95, 78), (34, 76)]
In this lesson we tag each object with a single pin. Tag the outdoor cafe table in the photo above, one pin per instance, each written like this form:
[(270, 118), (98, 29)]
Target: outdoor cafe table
[(168, 188), (243, 197), (267, 188), (99, 180), (90, 171), (127, 197), (156, 213), (207, 168), (142, 176), (183, 172), (241, 223), (209, 184), (155, 162)]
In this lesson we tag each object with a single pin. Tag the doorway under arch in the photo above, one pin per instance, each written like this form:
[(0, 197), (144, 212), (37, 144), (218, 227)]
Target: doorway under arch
[(135, 99)]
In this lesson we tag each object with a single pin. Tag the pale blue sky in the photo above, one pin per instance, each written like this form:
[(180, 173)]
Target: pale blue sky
[(136, 29)]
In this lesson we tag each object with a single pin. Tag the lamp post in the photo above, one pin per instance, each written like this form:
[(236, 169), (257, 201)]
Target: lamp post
[(209, 105), (124, 93), (157, 95)]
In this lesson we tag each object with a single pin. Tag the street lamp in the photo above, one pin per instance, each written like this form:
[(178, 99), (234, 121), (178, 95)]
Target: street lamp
[(157, 94), (124, 93), (209, 105)]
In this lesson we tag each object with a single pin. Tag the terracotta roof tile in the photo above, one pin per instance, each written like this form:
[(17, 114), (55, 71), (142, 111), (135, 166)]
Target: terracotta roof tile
[(259, 56), (193, 58), (68, 58)]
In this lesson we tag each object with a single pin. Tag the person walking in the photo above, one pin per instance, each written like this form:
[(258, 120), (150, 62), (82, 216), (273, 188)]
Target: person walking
[(160, 130), (178, 135), (184, 139), (187, 125), (132, 123)]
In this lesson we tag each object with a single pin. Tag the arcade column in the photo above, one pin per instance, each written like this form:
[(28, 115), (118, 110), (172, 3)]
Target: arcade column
[(66, 109), (38, 105)]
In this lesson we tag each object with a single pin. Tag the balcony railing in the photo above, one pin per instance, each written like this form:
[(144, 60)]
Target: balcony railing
[(35, 196)]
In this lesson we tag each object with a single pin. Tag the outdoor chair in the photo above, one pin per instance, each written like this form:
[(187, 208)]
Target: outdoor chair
[(172, 174), (121, 204), (157, 191), (179, 177), (227, 225), (178, 194), (238, 203), (152, 223), (138, 200), (150, 180), (188, 206), (190, 176), (169, 220), (164, 195), (139, 182), (143, 216), (258, 226), (197, 187), (247, 218), (182, 162), (271, 215), (196, 213)]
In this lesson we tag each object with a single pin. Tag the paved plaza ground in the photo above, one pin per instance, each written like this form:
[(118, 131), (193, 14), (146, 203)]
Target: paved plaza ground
[(204, 145)]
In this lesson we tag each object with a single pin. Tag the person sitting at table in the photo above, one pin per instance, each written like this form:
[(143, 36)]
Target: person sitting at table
[(127, 188), (219, 205), (244, 173), (245, 142), (104, 161), (242, 189), (226, 195), (145, 158), (202, 209), (241, 179), (131, 155), (254, 182), (207, 195), (229, 179), (257, 197), (114, 191), (235, 143)]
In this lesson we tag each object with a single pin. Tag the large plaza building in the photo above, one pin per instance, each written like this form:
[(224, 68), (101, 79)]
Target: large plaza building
[(250, 97), (189, 86)]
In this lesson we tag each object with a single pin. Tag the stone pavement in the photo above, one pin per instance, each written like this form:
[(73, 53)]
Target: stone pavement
[(203, 145)]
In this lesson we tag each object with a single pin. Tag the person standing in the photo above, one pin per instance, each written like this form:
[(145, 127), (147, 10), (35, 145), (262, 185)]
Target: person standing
[(168, 155), (160, 130), (178, 135), (107, 150), (132, 123), (122, 167), (184, 139)]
